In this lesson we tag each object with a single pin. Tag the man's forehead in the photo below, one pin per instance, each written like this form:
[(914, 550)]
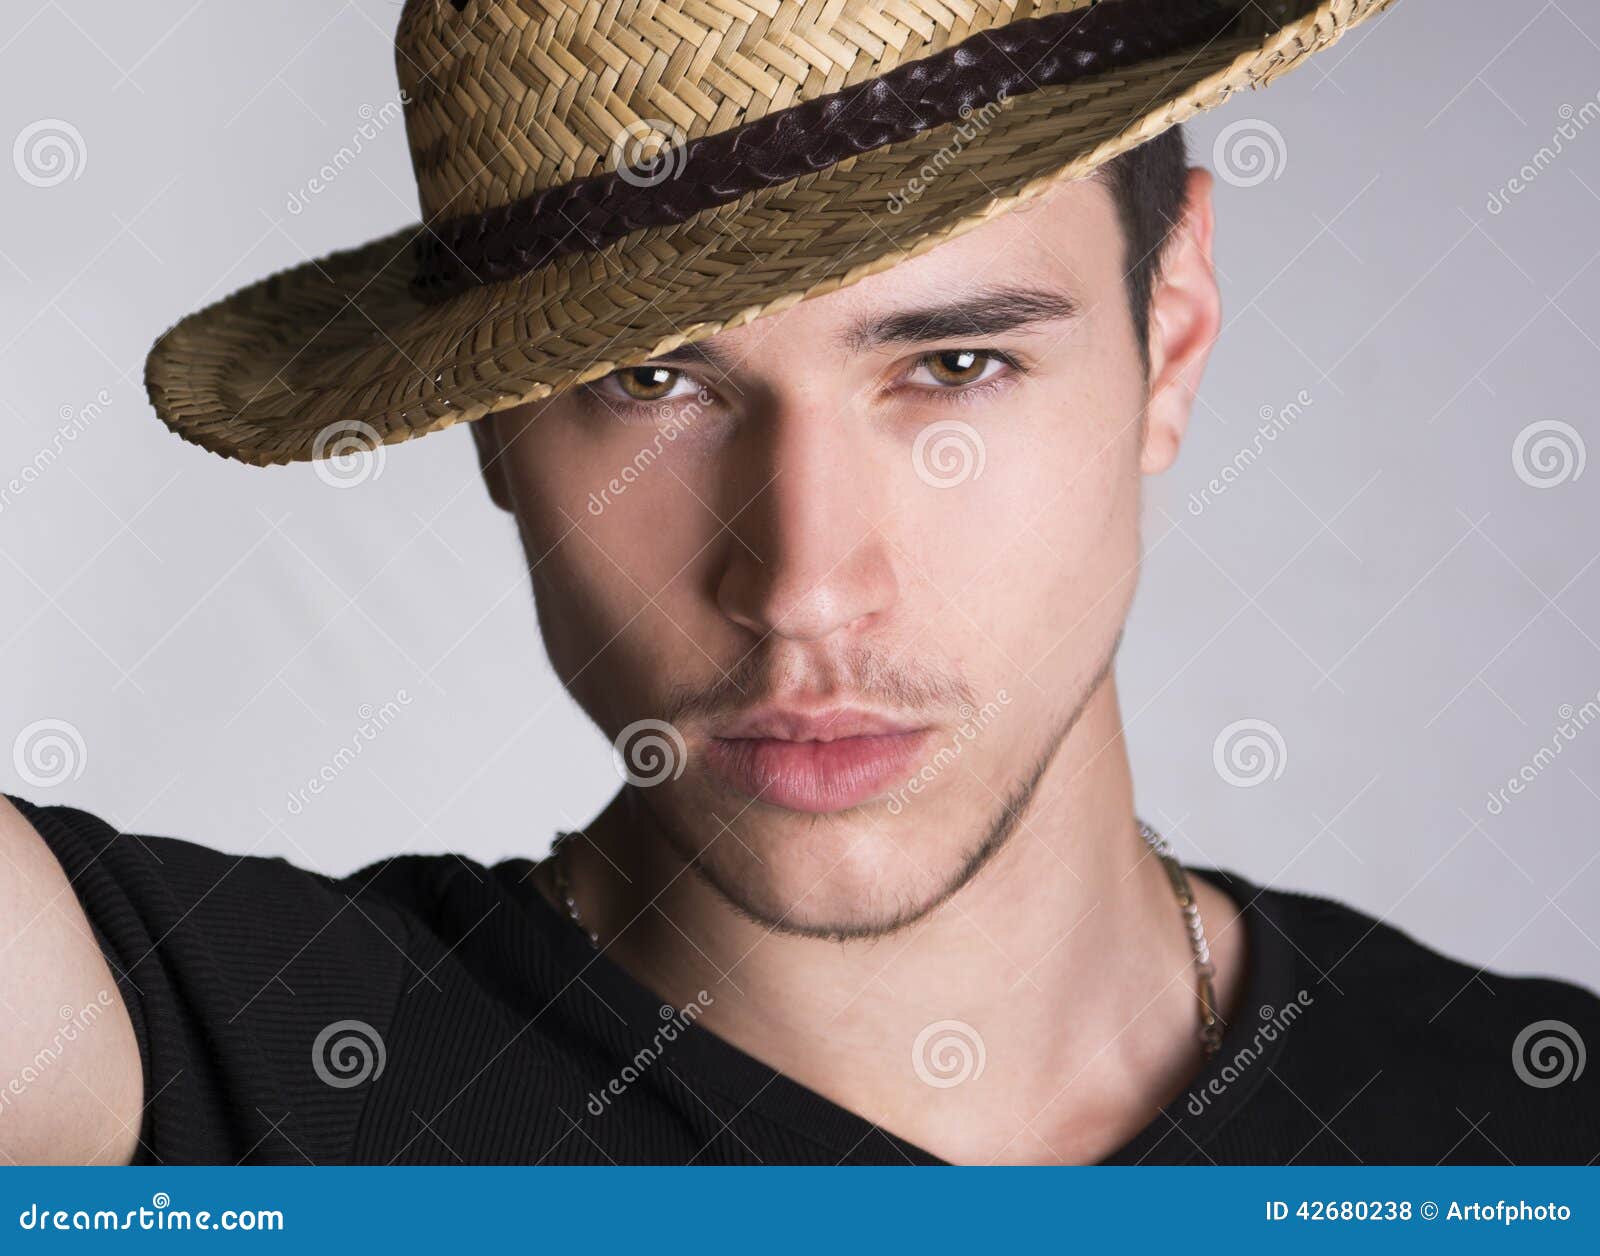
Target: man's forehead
[(1020, 268)]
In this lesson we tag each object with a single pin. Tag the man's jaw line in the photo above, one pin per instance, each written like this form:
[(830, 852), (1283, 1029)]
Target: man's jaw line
[(1011, 816)]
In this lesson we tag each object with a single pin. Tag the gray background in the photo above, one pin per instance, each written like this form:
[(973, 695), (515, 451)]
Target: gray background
[(1381, 586)]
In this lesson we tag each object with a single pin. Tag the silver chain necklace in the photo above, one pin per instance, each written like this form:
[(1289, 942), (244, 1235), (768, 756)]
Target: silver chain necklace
[(1205, 970), (558, 852)]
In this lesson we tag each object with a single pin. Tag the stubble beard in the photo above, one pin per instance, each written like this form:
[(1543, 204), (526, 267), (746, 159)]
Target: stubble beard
[(1006, 818)]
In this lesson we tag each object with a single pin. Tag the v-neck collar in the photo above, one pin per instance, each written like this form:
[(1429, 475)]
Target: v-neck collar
[(1175, 1135)]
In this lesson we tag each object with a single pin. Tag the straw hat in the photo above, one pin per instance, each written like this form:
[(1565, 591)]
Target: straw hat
[(604, 180)]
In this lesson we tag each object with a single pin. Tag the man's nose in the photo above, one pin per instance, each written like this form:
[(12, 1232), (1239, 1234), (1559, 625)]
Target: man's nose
[(808, 556)]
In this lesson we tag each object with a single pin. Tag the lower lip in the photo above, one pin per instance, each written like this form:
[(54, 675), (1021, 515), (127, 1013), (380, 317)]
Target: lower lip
[(814, 776)]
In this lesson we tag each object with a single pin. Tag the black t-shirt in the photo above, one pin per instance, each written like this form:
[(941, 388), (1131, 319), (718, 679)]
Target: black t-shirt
[(430, 1009)]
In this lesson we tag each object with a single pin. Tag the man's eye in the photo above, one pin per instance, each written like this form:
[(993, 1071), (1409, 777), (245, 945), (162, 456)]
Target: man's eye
[(951, 368), (644, 383)]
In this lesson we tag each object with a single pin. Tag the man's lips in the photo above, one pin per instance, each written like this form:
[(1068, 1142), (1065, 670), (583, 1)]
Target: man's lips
[(816, 762), (829, 724)]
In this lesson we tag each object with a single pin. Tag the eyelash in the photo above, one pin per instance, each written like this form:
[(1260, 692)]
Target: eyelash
[(592, 395)]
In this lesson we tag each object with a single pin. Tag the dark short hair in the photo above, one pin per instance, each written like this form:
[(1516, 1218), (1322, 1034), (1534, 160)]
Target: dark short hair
[(1148, 184)]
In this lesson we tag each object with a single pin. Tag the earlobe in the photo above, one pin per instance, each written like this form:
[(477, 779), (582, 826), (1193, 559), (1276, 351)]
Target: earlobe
[(1166, 420), (1185, 317)]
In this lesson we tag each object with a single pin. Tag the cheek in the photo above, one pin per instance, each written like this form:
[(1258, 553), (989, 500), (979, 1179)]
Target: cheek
[(622, 487), (1084, 472), (606, 544), (1038, 554)]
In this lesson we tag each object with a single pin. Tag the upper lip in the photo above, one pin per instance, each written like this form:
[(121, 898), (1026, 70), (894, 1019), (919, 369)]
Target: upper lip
[(825, 724)]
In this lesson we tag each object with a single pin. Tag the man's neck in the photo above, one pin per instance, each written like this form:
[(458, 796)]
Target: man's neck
[(1065, 958)]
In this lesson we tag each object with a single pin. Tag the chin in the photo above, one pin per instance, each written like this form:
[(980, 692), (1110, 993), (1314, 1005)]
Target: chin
[(856, 873)]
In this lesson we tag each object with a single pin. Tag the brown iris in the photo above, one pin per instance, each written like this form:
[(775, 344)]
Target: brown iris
[(646, 383), (957, 366)]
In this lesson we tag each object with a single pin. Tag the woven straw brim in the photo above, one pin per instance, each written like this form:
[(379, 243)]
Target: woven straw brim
[(273, 372)]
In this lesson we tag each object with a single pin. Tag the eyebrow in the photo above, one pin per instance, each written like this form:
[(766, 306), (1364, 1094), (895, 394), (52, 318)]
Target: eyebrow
[(984, 312), (693, 353)]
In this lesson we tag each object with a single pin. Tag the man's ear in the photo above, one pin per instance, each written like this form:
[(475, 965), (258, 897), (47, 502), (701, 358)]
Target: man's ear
[(487, 439), (1185, 316)]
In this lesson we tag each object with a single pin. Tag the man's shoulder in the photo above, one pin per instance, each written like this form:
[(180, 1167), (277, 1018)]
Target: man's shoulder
[(195, 871), (248, 918), (242, 971), (1413, 984), (1461, 1058)]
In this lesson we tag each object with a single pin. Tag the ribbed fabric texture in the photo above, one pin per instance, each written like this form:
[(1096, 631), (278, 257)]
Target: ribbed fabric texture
[(253, 985)]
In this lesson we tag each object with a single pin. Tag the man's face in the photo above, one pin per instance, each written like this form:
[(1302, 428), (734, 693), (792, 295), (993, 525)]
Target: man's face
[(840, 579)]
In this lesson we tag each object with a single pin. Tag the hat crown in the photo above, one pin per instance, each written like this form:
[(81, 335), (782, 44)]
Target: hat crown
[(805, 123), (505, 98)]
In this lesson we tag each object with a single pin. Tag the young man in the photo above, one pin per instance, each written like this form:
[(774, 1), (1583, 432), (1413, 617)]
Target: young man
[(844, 578)]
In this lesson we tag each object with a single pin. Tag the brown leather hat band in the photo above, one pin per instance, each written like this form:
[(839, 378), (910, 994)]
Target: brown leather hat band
[(590, 213)]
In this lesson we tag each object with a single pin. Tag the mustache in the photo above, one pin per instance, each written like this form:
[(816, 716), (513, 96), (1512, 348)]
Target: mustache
[(902, 686)]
